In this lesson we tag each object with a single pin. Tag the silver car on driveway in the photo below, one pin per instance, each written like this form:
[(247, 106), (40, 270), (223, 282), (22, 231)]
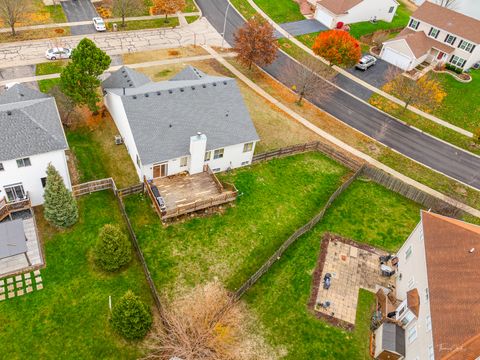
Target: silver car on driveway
[(365, 62), (99, 24), (58, 53)]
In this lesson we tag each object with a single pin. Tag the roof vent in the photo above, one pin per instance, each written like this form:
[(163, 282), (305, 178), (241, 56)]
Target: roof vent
[(170, 91), (146, 95), (204, 86), (134, 96), (214, 84), (182, 89), (159, 93), (9, 112), (471, 250), (224, 83), (125, 76), (21, 94), (170, 125), (130, 85), (199, 133), (193, 87)]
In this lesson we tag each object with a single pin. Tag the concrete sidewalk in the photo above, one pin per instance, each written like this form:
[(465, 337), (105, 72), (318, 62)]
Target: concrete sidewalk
[(89, 22), (338, 142), (366, 85)]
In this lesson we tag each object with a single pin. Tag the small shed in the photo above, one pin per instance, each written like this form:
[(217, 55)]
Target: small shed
[(389, 342), (13, 240)]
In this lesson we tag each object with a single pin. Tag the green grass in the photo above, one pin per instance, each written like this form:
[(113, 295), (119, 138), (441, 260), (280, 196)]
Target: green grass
[(308, 39), (68, 319), (56, 13), (47, 84), (276, 198), (190, 6), (400, 20), (51, 67), (365, 212), (191, 19), (281, 11), (146, 24), (461, 107), (244, 8)]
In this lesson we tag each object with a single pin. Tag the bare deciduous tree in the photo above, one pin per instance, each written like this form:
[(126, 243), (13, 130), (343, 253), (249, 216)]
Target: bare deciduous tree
[(426, 93), (450, 4), (207, 324), (12, 11), (124, 8), (312, 79)]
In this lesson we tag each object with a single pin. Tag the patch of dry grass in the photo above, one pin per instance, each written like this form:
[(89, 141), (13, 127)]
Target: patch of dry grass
[(144, 56), (34, 34)]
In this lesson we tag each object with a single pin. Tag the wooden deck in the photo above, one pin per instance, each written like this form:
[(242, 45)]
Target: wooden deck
[(184, 193), (6, 208)]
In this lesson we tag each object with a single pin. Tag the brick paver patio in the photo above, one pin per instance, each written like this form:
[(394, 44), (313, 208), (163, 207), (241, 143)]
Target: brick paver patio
[(352, 267), (23, 285)]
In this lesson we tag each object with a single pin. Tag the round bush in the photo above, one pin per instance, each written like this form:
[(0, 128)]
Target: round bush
[(113, 249), (131, 318)]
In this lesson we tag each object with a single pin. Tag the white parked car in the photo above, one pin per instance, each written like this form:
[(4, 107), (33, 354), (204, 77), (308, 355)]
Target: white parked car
[(58, 53), (365, 62), (99, 24)]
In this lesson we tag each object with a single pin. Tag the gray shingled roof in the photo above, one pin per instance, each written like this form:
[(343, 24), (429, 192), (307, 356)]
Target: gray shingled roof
[(164, 115), (125, 78), (29, 124), (393, 338), (189, 73)]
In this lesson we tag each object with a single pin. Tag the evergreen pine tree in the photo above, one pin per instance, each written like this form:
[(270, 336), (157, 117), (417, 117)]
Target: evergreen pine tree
[(113, 249), (60, 207), (131, 317)]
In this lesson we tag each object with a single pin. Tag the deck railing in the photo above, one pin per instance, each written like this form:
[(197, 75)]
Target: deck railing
[(8, 207)]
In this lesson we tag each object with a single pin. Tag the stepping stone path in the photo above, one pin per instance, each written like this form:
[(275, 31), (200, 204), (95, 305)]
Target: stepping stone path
[(20, 285)]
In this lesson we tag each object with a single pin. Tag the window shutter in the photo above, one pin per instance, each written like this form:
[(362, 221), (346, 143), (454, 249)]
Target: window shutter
[(418, 23), (438, 33), (473, 48), (410, 24), (446, 37), (460, 43), (453, 42), (430, 32), (452, 58), (463, 63)]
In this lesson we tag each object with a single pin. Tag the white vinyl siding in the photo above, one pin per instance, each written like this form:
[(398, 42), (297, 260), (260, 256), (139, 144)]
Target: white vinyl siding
[(412, 334), (431, 354), (429, 323)]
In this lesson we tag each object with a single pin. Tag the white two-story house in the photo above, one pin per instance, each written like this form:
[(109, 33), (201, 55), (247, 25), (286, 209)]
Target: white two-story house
[(31, 137), (435, 34), (181, 125), (332, 13), (437, 287)]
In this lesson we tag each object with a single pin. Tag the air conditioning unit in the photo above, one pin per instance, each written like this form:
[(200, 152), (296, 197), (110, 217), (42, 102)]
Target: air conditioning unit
[(118, 140)]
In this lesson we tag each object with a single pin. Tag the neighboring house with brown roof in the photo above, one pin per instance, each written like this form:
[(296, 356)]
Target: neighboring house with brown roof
[(437, 286), (435, 34), (332, 12)]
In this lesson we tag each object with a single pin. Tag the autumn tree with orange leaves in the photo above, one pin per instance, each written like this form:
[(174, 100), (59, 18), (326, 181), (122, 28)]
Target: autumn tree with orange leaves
[(168, 7), (338, 47), (255, 43)]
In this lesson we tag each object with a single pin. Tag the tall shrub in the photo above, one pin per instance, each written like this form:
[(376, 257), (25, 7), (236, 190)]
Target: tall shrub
[(113, 249), (60, 205), (131, 318)]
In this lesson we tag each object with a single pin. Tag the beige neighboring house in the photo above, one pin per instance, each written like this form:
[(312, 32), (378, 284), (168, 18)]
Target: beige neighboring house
[(332, 12), (434, 35), (435, 313)]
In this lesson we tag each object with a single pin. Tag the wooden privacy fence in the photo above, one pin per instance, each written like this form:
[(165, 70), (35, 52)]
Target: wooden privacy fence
[(134, 189), (301, 231)]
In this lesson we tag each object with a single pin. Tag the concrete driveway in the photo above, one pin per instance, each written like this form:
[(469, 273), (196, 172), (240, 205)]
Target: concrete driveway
[(79, 10), (303, 27), (375, 75)]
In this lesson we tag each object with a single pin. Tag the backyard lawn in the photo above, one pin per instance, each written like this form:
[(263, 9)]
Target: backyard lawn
[(400, 20), (68, 319), (365, 212), (47, 68), (277, 197), (281, 11)]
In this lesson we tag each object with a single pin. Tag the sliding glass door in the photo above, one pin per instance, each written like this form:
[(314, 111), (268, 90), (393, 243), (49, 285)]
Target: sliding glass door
[(15, 192)]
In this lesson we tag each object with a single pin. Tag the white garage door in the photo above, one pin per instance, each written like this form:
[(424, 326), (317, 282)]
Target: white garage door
[(324, 18), (395, 58)]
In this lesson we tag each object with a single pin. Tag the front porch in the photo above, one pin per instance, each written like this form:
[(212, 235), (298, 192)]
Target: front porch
[(183, 193)]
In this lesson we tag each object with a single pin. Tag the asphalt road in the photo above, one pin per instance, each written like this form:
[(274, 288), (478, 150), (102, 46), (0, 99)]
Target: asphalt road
[(79, 10), (303, 27), (422, 148)]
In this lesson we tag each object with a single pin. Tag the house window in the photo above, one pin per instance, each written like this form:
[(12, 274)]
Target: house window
[(183, 161), (44, 181), (23, 162), (427, 294), (245, 163), (433, 32), (450, 39), (138, 162), (216, 170), (429, 323), (408, 253), (411, 283), (247, 147), (1, 167), (208, 155), (467, 46), (391, 9), (412, 334), (431, 354), (218, 154), (457, 61), (414, 24), (15, 192), (407, 318)]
